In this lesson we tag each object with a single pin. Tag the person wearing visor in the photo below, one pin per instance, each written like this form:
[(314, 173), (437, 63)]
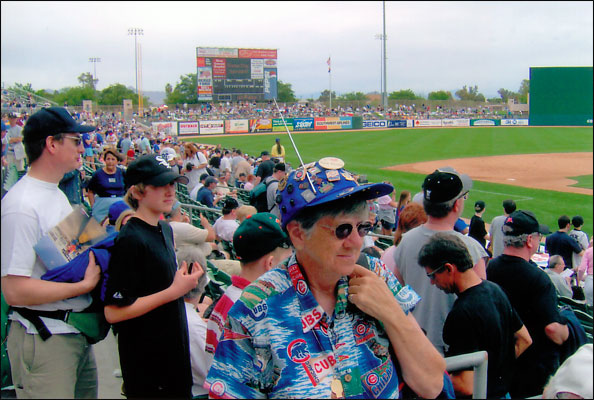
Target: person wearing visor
[(145, 289), (310, 328)]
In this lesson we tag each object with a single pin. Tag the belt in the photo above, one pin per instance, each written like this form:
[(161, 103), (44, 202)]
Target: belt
[(33, 316)]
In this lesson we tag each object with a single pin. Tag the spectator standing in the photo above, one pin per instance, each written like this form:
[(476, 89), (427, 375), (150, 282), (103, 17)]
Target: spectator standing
[(194, 164), (495, 230), (15, 151), (273, 183), (144, 288), (579, 236), (242, 166), (445, 191), (555, 267), (585, 273), (280, 335), (533, 296), (387, 209), (260, 244), (126, 144), (278, 151), (403, 201), (226, 225), (57, 363), (107, 185), (477, 228), (194, 193), (481, 318), (89, 153), (562, 244), (265, 169), (226, 161), (71, 185)]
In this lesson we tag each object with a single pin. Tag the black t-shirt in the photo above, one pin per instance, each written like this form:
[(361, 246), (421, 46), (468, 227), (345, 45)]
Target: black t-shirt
[(533, 296), (154, 347), (477, 230), (265, 169), (482, 318), (560, 243)]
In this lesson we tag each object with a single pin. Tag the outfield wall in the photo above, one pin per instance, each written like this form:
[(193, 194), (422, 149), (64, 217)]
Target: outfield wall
[(239, 126)]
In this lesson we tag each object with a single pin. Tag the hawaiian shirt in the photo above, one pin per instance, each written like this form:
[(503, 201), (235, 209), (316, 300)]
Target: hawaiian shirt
[(279, 343)]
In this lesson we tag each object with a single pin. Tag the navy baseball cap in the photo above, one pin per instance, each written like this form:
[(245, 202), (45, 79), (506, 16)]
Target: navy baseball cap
[(522, 222), (331, 182), (152, 169), (51, 121), (445, 184)]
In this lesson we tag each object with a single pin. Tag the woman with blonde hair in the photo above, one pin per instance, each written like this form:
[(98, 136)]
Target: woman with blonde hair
[(193, 164)]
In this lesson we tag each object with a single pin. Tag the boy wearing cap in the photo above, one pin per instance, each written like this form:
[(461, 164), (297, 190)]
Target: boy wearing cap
[(311, 327), (226, 225), (444, 193), (49, 358), (260, 244), (144, 288), (533, 296), (477, 228)]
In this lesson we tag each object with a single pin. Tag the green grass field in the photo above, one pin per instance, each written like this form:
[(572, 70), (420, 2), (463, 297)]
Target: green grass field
[(366, 152)]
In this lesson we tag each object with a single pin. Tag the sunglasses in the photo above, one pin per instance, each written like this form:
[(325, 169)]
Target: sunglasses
[(343, 231), (431, 274), (77, 139)]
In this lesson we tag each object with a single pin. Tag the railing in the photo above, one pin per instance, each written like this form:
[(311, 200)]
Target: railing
[(478, 361)]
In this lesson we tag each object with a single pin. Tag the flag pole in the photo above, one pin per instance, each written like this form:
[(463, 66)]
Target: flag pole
[(330, 79)]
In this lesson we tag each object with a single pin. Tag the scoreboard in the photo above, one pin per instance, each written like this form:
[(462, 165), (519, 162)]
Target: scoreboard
[(232, 74)]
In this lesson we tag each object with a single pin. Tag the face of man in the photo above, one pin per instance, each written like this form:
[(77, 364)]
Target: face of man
[(442, 278)]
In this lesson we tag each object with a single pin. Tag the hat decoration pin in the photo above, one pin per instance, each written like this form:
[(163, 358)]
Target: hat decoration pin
[(295, 147)]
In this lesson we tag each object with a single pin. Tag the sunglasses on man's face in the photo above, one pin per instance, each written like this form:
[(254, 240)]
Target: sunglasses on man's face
[(343, 231), (77, 139)]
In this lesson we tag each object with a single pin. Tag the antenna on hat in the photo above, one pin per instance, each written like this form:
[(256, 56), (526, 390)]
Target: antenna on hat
[(295, 147)]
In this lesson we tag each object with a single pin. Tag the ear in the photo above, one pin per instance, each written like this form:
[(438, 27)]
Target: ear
[(269, 262), (51, 144), (296, 234)]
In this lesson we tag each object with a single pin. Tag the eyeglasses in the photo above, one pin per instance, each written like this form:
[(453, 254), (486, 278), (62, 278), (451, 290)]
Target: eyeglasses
[(343, 231), (431, 275), (77, 139), (464, 196)]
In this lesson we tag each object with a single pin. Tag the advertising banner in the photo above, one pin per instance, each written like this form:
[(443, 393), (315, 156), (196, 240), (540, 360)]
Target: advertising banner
[(270, 63), (169, 128), (219, 68), (278, 126), (188, 128), (237, 126), (303, 124), (397, 123), (485, 122), (427, 122), (212, 127), (375, 123), (217, 52), (257, 53), (261, 125), (257, 69), (331, 123), (523, 122), (270, 88), (456, 122)]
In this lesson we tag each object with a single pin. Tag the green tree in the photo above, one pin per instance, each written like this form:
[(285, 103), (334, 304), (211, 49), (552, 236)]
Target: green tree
[(325, 95), (115, 95), (86, 80), (353, 96), (75, 95), (470, 93), (506, 94), (407, 94), (185, 90), (524, 91), (440, 95), (285, 93)]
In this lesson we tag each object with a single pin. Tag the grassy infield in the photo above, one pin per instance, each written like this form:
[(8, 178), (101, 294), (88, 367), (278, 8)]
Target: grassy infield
[(366, 152)]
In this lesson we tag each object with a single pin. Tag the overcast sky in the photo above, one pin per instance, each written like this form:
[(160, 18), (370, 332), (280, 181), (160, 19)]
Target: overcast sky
[(430, 46)]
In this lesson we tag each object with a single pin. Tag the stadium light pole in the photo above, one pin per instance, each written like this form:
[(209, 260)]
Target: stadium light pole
[(379, 36), (136, 32), (94, 60)]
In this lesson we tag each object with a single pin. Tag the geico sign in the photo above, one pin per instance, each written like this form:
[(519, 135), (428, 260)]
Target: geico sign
[(375, 124)]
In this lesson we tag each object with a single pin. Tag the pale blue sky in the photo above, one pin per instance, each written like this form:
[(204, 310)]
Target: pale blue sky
[(431, 45)]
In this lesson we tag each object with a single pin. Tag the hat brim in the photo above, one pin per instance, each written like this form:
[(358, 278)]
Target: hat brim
[(167, 178), (365, 192), (78, 128)]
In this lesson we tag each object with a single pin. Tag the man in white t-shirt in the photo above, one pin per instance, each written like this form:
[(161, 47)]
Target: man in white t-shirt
[(226, 225), (49, 357)]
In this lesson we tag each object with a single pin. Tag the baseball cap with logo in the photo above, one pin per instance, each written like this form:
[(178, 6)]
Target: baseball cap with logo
[(152, 169), (445, 184), (522, 222), (257, 236), (51, 121), (330, 182)]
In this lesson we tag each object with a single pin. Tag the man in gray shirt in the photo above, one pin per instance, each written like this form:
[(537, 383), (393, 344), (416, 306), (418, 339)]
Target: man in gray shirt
[(278, 174), (444, 193), (496, 244)]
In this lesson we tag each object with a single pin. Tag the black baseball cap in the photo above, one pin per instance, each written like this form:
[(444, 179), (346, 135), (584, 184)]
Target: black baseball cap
[(522, 222), (445, 184), (152, 169), (51, 121)]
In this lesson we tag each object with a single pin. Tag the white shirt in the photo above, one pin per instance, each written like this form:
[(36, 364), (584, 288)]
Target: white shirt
[(225, 228), (200, 360)]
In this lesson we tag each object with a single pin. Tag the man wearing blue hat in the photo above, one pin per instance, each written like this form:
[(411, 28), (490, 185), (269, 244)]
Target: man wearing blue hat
[(49, 358), (311, 327)]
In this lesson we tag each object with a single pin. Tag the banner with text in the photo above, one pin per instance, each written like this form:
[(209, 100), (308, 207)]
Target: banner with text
[(332, 123), (169, 128), (261, 125), (188, 128), (427, 122), (212, 127), (399, 123), (509, 122), (455, 122), (485, 122), (303, 124), (375, 123), (237, 126), (278, 126)]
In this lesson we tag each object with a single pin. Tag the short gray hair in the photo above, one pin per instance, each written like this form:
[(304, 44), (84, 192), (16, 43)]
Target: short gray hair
[(554, 260), (190, 254), (517, 241)]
